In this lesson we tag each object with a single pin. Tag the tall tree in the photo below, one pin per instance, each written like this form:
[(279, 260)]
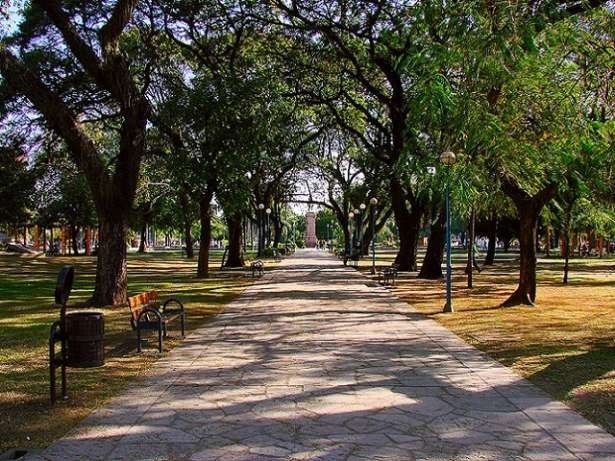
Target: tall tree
[(94, 46)]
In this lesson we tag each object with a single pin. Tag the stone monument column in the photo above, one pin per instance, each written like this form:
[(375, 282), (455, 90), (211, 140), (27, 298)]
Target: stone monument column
[(310, 230)]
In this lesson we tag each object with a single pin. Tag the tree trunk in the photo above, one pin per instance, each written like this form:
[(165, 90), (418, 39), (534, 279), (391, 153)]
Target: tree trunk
[(88, 241), (143, 242), (346, 232), (235, 256), (74, 230), (183, 200), (111, 274), (526, 291), (567, 232), (277, 230), (492, 235), (566, 257), (471, 235), (408, 225), (528, 207), (205, 237), (260, 219), (432, 264)]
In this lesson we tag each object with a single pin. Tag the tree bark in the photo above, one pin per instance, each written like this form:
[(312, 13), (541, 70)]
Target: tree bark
[(567, 232), (432, 264), (74, 230), (235, 256), (528, 207), (277, 229), (205, 237), (111, 273), (470, 263), (143, 243), (526, 291), (185, 204), (492, 235), (566, 257), (44, 240), (408, 224), (261, 232), (88, 241)]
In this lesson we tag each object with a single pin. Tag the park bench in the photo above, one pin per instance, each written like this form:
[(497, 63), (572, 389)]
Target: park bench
[(388, 275), (343, 256), (257, 267), (148, 314)]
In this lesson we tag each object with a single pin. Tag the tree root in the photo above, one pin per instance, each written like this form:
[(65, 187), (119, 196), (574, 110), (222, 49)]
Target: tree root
[(518, 298)]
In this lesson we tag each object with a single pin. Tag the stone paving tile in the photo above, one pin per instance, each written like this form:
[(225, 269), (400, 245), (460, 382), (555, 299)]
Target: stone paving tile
[(310, 363)]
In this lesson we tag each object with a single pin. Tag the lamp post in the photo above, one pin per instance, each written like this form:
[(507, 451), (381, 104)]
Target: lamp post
[(268, 231), (350, 233), (362, 208), (448, 159), (373, 202), (357, 216), (261, 207)]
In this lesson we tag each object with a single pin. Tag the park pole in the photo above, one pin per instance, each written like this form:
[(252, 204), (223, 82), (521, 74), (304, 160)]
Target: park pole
[(448, 159), (373, 203), (448, 307)]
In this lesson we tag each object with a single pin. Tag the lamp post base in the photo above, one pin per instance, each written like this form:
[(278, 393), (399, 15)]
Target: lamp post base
[(448, 308)]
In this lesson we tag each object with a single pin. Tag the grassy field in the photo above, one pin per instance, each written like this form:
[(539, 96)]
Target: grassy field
[(26, 313), (565, 345)]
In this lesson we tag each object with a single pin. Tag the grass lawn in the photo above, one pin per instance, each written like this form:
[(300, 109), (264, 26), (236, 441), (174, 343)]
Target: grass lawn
[(26, 313), (565, 345)]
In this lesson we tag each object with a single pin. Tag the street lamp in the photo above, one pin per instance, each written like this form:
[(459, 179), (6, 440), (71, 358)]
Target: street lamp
[(261, 207), (268, 211), (448, 159), (362, 207), (350, 232), (373, 202), (357, 217)]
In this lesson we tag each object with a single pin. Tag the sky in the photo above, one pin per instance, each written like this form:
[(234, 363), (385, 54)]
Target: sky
[(14, 15)]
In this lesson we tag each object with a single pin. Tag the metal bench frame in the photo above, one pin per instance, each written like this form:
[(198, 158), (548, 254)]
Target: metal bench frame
[(388, 275), (257, 267), (148, 314)]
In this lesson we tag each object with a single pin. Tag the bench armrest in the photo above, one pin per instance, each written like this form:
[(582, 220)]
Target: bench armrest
[(147, 310), (172, 301)]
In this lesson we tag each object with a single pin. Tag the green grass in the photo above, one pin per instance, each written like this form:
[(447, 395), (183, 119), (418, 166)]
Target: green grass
[(27, 311), (566, 344)]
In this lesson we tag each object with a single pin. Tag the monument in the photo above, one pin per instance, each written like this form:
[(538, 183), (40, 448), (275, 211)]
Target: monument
[(310, 230)]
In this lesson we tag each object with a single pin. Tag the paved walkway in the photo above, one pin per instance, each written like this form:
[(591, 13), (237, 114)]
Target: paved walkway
[(314, 363)]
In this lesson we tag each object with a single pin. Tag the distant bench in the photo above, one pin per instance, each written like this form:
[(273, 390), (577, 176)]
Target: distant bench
[(148, 314), (257, 267), (388, 275)]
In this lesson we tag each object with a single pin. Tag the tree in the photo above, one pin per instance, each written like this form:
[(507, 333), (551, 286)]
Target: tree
[(94, 44)]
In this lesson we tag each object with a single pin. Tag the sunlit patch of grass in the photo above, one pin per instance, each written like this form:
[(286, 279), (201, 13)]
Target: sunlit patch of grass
[(566, 344), (27, 311)]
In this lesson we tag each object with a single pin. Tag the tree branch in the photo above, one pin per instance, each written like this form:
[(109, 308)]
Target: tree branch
[(83, 150), (111, 31)]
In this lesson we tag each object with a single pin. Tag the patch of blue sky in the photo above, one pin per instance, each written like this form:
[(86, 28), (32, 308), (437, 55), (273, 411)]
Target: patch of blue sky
[(14, 13)]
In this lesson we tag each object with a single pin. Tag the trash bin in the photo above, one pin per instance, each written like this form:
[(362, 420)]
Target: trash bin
[(85, 333)]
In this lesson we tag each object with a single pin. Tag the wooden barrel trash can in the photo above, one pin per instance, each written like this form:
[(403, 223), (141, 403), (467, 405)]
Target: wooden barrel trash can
[(85, 332)]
